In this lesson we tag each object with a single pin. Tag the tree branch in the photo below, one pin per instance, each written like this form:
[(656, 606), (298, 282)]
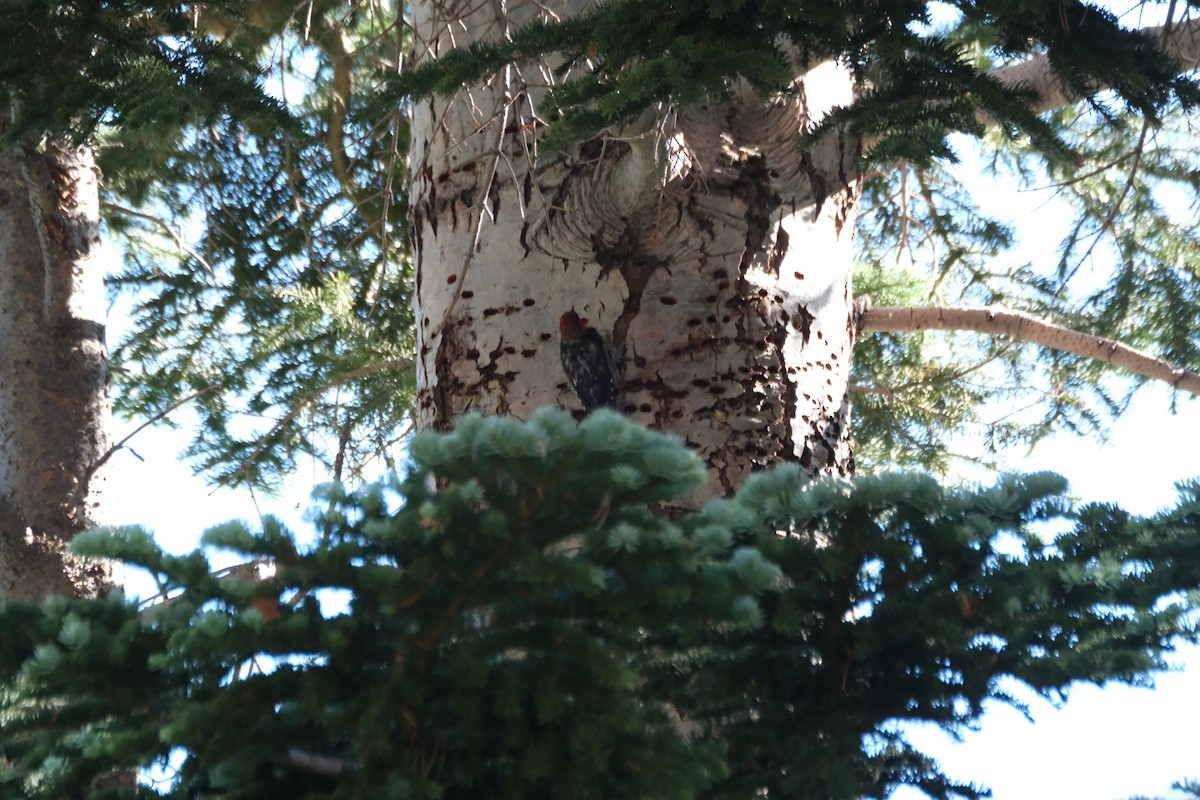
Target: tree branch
[(313, 764), (173, 233), (1180, 41), (1027, 328), (82, 490)]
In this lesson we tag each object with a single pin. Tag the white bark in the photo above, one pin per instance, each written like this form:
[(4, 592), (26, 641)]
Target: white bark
[(712, 251), (705, 246), (53, 369)]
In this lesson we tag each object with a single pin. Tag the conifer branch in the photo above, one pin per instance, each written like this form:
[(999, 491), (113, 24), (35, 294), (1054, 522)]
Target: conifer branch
[(339, 104), (341, 58), (1028, 328), (259, 570)]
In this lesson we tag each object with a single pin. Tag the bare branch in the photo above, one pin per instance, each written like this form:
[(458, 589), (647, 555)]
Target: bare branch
[(81, 490), (1180, 41), (174, 234), (313, 764), (1027, 328)]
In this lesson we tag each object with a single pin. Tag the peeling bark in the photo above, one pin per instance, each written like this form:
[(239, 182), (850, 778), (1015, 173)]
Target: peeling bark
[(705, 246), (54, 402)]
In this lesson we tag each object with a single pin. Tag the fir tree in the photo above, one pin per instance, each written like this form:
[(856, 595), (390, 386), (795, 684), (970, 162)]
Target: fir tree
[(512, 619)]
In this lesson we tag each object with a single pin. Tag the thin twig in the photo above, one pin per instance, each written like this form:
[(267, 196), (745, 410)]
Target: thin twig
[(1138, 152), (103, 459), (1116, 162), (175, 237), (1111, 217), (307, 400)]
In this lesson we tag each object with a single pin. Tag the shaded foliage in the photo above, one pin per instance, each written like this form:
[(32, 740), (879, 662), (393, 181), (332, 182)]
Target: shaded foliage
[(285, 318), (76, 66), (260, 211), (529, 628)]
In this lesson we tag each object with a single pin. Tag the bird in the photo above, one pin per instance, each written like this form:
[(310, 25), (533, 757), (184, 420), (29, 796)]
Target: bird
[(588, 362)]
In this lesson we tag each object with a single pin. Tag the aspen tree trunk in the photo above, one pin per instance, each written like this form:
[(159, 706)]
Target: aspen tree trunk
[(710, 250), (54, 403)]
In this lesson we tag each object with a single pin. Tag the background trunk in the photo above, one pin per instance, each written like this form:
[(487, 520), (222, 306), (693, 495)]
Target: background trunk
[(712, 253), (53, 368)]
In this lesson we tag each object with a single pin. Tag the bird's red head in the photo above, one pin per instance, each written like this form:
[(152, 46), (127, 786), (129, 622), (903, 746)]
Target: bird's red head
[(570, 326)]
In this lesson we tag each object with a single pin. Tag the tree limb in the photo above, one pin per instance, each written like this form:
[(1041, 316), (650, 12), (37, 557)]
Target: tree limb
[(1180, 41), (313, 764), (1025, 327)]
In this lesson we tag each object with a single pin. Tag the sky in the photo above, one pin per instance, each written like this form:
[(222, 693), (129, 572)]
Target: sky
[(1107, 743)]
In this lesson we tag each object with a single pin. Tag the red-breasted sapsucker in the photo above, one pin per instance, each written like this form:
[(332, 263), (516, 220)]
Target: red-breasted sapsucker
[(588, 363)]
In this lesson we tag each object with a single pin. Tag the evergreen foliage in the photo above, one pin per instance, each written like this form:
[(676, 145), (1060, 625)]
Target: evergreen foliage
[(298, 312), (260, 210), (1124, 200), (287, 322), (919, 81), (76, 66), (519, 622), (906, 388)]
